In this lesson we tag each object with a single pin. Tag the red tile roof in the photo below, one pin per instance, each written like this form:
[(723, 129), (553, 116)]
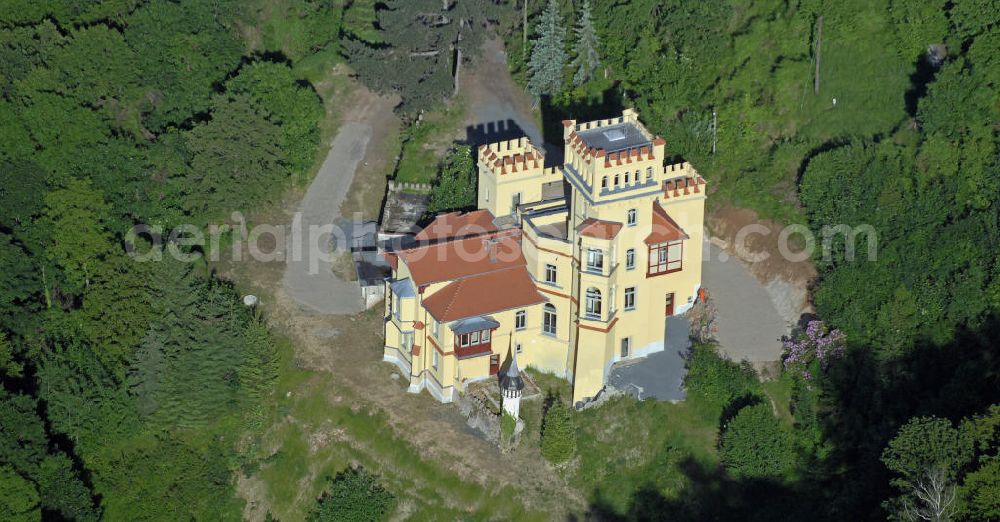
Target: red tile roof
[(450, 260), (599, 229), (483, 294), (457, 224), (664, 228)]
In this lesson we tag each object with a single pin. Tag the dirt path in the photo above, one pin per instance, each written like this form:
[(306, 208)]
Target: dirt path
[(309, 279), (496, 107)]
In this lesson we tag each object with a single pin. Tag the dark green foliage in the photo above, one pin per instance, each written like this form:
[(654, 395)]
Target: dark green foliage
[(415, 54), (757, 445), (714, 383), (558, 433), (455, 188), (273, 93), (548, 53), (124, 382), (18, 497), (587, 58), (353, 496)]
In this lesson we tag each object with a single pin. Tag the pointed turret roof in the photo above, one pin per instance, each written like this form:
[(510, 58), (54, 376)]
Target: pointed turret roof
[(511, 378)]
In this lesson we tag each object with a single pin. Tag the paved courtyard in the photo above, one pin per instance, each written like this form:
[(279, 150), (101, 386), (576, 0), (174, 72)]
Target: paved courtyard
[(661, 375)]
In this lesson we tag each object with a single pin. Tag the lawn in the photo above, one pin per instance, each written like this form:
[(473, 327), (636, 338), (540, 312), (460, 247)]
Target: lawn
[(425, 143)]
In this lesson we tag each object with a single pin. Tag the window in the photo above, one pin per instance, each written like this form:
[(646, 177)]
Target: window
[(517, 347), (549, 319), (649, 173), (595, 260), (630, 259), (550, 274), (406, 339), (626, 346), (437, 361), (665, 257), (486, 191), (631, 217), (630, 298), (604, 183), (593, 303), (436, 329), (627, 178), (473, 338), (520, 320), (616, 180), (637, 173)]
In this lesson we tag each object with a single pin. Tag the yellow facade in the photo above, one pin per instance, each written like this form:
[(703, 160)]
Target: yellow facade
[(584, 232)]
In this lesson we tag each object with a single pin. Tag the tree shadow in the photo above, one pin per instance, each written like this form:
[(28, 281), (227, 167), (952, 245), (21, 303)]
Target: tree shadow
[(492, 132), (607, 104), (864, 401)]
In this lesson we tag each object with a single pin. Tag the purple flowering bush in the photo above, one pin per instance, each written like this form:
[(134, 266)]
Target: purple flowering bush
[(813, 349)]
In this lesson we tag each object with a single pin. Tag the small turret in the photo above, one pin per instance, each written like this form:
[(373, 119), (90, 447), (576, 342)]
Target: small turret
[(511, 384)]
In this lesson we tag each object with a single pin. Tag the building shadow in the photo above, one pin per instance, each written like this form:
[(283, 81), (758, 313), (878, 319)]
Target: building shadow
[(492, 132)]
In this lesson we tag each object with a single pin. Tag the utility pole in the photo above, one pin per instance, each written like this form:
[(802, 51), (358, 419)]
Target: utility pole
[(819, 44), (714, 133)]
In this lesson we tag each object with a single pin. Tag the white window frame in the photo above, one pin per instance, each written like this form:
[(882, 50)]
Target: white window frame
[(436, 360), (625, 347), (551, 269), (630, 259), (593, 303), (484, 336), (631, 217), (595, 260), (550, 319), (520, 320), (630, 294), (517, 347)]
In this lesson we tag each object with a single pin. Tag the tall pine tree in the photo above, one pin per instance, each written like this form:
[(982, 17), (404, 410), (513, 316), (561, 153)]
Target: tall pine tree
[(548, 57), (587, 59)]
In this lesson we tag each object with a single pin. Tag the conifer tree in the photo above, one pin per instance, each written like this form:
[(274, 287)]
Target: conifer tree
[(548, 56), (558, 438), (587, 59)]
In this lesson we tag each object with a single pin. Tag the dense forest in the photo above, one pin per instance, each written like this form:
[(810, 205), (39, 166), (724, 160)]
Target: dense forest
[(882, 114), (128, 387)]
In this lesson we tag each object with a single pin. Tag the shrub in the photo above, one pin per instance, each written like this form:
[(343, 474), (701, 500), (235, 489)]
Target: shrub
[(558, 436), (353, 496), (713, 382), (757, 445)]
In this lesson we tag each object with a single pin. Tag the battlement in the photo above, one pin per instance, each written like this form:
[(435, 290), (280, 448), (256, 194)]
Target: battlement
[(687, 181), (511, 156)]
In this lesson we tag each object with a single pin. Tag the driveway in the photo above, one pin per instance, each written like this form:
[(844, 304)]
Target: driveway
[(750, 326), (309, 279)]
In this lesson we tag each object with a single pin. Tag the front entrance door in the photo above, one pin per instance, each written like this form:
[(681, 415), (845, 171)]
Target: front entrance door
[(494, 364), (669, 305)]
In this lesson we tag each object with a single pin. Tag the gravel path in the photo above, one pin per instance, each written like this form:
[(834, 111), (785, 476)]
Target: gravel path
[(750, 326), (309, 279)]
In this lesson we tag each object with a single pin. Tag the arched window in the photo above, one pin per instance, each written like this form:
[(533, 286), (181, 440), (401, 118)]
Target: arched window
[(604, 182), (549, 319), (593, 303), (627, 178), (630, 217), (637, 176), (616, 180), (630, 259)]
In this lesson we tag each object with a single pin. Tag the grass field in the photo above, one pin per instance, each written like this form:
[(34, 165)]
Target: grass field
[(425, 143)]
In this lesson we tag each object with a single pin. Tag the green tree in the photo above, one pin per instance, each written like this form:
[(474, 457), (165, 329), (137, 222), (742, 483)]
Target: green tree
[(548, 54), (455, 188), (360, 21), (296, 110), (80, 241), (558, 433), (353, 496), (927, 455), (18, 497), (757, 445), (587, 59)]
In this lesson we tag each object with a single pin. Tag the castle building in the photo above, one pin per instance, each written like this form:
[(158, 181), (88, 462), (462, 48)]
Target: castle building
[(573, 267)]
